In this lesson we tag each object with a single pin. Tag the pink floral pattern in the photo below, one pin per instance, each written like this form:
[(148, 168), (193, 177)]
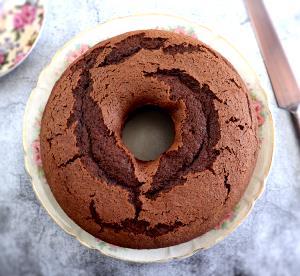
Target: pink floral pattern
[(19, 28), (28, 13), (19, 57), (258, 107), (77, 53), (228, 218), (180, 30), (36, 146), (25, 16), (2, 58), (18, 21)]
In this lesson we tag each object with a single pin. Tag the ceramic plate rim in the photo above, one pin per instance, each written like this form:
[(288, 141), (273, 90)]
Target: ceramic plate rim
[(265, 172)]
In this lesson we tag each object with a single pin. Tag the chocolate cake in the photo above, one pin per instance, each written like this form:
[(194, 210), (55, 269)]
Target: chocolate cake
[(192, 186)]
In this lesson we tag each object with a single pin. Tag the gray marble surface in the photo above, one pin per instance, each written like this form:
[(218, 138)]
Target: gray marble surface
[(267, 243)]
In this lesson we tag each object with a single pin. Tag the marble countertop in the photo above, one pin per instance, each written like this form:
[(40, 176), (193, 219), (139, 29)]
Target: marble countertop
[(267, 243)]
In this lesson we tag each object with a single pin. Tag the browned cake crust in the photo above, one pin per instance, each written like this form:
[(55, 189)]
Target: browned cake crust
[(192, 186)]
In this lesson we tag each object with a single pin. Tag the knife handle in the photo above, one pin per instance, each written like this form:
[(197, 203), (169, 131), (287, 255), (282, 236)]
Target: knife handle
[(296, 119)]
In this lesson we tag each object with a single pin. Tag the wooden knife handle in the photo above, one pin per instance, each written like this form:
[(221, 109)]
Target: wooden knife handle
[(296, 119)]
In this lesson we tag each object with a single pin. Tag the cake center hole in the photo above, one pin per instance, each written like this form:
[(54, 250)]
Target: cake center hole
[(148, 132)]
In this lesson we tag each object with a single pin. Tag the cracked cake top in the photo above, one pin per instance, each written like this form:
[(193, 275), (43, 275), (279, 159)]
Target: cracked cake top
[(186, 191)]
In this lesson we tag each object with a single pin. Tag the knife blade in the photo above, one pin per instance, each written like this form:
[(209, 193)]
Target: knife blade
[(283, 82)]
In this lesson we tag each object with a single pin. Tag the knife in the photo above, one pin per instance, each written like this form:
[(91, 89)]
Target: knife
[(284, 84)]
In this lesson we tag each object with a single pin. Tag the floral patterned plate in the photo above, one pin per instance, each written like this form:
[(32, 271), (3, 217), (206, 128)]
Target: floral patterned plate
[(78, 46), (21, 22)]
